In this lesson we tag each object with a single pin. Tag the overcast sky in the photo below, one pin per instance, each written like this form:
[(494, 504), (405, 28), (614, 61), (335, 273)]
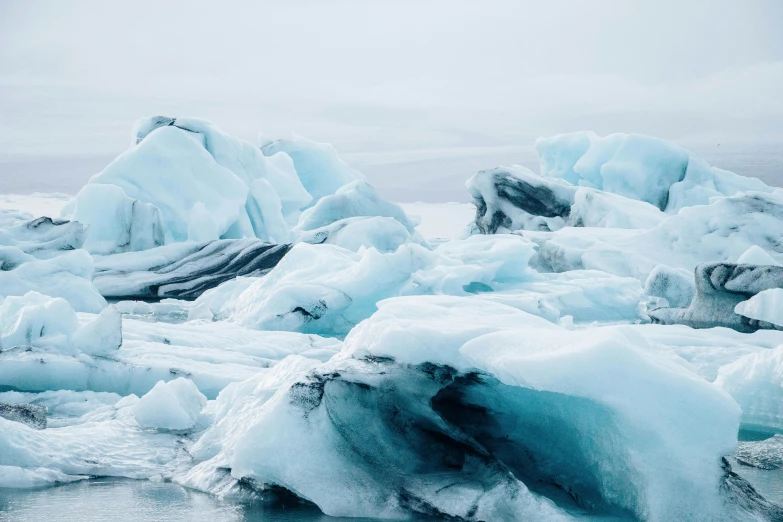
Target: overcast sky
[(374, 76)]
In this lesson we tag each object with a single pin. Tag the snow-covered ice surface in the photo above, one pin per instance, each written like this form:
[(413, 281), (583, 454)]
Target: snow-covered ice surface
[(257, 321)]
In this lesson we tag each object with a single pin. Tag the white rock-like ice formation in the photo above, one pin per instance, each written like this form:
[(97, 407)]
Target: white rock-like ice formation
[(514, 198), (184, 179), (173, 405), (639, 167), (327, 289), (43, 237), (466, 406), (355, 216)]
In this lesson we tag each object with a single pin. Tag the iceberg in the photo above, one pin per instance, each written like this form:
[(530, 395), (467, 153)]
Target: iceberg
[(639, 167), (478, 410), (183, 179), (514, 198)]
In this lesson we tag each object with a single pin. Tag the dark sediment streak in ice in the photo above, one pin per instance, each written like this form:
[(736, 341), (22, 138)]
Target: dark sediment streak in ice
[(203, 267)]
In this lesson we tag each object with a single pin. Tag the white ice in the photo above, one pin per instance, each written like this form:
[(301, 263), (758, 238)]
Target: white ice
[(765, 306)]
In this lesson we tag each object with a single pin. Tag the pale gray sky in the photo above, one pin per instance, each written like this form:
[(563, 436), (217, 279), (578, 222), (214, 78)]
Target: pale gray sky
[(390, 76)]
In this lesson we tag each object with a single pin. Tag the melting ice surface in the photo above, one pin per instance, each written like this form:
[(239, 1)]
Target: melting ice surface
[(254, 332)]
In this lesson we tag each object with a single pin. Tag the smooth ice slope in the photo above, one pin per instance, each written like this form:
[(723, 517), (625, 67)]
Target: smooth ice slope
[(318, 166), (639, 167)]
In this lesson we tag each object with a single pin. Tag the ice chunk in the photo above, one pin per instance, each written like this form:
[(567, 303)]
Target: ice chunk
[(212, 355), (674, 285), (25, 319), (327, 289), (425, 386), (173, 405), (184, 179), (355, 216), (51, 323), (720, 231), (115, 222), (43, 237), (766, 306), (514, 198), (756, 255), (358, 198), (318, 166), (68, 276), (102, 336), (107, 442), (720, 288), (639, 167)]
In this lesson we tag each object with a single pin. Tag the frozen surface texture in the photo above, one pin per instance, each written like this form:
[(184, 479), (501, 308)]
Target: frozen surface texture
[(183, 270), (721, 293), (639, 167)]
